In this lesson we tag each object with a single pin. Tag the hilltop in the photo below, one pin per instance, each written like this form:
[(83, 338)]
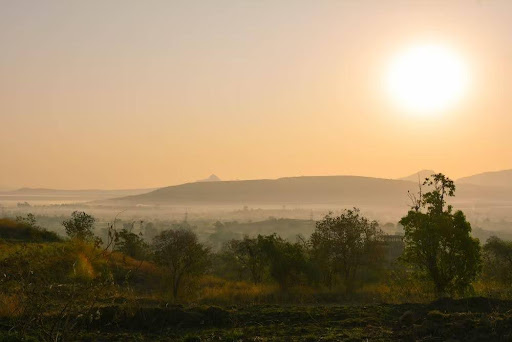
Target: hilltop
[(321, 190), (290, 190), (495, 179), (418, 176)]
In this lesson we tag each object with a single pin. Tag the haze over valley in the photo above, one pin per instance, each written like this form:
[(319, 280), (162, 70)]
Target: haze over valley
[(486, 199)]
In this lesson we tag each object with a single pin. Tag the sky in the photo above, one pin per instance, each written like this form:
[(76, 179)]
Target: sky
[(138, 94)]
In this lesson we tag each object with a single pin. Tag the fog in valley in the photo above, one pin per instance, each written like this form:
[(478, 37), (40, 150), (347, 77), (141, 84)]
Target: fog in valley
[(222, 210)]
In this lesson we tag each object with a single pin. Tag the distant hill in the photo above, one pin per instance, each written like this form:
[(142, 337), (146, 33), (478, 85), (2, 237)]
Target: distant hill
[(420, 175), (494, 179), (44, 191), (343, 191), (40, 195), (294, 190)]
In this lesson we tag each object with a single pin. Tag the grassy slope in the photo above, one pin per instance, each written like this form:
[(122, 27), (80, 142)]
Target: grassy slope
[(14, 231)]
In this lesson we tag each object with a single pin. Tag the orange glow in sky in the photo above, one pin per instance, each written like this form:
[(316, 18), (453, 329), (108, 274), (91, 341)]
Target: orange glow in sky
[(133, 94)]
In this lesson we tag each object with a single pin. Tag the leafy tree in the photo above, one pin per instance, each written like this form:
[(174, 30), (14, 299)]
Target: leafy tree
[(80, 226), (247, 257), (181, 253), (342, 245), (286, 261), (438, 241), (131, 244), (28, 220), (498, 260)]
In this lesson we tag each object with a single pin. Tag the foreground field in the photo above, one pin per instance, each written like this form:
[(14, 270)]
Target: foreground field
[(473, 319)]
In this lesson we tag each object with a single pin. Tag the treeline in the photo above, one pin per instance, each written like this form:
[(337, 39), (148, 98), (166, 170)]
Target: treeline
[(341, 249), (346, 253)]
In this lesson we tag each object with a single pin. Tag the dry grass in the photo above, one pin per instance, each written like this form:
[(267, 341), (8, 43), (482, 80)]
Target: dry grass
[(492, 289), (82, 268), (220, 291), (9, 306)]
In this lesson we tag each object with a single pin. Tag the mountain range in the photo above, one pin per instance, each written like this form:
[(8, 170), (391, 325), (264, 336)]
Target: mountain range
[(489, 188), (482, 189)]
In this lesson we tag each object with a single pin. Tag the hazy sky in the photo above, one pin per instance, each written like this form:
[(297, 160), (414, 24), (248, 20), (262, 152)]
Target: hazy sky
[(129, 94)]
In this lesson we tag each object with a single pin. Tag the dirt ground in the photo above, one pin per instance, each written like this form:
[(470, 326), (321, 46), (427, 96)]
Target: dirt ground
[(473, 319)]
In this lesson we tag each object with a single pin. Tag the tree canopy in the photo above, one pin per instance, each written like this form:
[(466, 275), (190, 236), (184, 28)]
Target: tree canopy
[(180, 252), (80, 226), (342, 244), (438, 241)]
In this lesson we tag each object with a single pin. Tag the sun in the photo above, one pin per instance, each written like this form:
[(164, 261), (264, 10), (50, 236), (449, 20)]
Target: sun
[(427, 79)]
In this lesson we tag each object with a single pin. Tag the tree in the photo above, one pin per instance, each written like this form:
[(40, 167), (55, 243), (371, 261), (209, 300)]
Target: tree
[(131, 244), (248, 257), (28, 220), (287, 262), (438, 242), (180, 252), (498, 260), (341, 245), (80, 226)]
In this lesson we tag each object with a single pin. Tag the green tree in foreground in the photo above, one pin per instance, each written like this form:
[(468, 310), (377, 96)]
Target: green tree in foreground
[(181, 253), (438, 241), (341, 245), (80, 226)]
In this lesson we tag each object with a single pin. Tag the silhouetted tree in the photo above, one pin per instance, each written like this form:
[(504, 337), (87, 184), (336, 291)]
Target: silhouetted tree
[(181, 253), (80, 226), (248, 257), (341, 245), (131, 244), (28, 220), (438, 241), (286, 261)]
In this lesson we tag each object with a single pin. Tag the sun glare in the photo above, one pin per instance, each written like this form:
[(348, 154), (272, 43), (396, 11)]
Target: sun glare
[(427, 79)]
